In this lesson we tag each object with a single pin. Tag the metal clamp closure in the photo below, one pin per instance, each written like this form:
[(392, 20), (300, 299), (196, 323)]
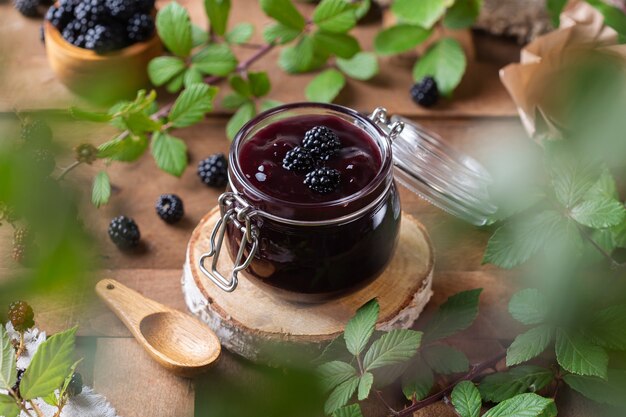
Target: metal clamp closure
[(237, 211), (381, 119)]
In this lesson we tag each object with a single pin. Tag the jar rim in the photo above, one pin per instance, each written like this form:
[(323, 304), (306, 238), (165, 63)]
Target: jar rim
[(382, 142)]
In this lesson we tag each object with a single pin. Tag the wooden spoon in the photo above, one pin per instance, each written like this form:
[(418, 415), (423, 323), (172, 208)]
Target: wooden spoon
[(175, 340)]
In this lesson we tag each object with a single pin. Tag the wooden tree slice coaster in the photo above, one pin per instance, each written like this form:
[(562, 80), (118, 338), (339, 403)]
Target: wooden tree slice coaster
[(251, 318)]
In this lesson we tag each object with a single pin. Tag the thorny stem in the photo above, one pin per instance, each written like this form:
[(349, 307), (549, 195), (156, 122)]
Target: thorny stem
[(21, 347), (68, 169), (603, 252), (37, 409)]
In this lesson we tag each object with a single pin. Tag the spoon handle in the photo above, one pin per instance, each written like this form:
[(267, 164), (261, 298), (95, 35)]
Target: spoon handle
[(128, 305)]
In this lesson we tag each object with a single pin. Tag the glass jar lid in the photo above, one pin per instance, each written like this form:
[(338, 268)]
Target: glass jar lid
[(434, 170)]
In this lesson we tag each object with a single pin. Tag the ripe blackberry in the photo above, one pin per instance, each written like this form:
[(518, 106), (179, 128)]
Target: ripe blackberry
[(104, 39), (28, 8), (124, 232), (144, 6), (59, 16), (322, 180), (213, 171), (21, 316), (425, 93), (321, 142), (69, 4), (298, 159), (44, 161), (74, 33), (140, 27), (120, 9), (36, 133), (86, 153), (170, 208), (91, 11), (16, 386), (75, 387)]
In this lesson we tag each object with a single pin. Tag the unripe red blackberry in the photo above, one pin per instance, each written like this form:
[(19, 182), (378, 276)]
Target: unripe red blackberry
[(21, 316)]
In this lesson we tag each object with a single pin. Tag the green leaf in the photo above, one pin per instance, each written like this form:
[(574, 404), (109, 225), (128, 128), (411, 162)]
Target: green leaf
[(298, 58), (609, 392), (362, 66), (514, 243), (599, 213), (269, 104), (170, 153), (353, 410), (174, 27), (399, 38), (360, 328), (604, 187), (68, 379), (529, 345), (199, 36), (101, 191), (456, 314), (341, 395), (240, 85), (504, 385), (245, 113), (8, 406), (192, 76), (176, 83), (529, 306), (259, 83), (284, 12), (8, 372), (394, 347), (340, 44), (608, 327), (163, 68), (140, 122), (51, 399), (334, 373), (233, 101), (325, 86), (462, 14), (444, 61), (365, 385), (523, 405), (215, 59), (362, 9), (280, 34), (445, 359), (571, 179), (336, 16), (418, 381), (577, 355), (89, 116), (555, 7), (466, 399), (126, 149), (191, 106), (49, 366), (424, 13), (241, 33), (217, 11), (613, 16)]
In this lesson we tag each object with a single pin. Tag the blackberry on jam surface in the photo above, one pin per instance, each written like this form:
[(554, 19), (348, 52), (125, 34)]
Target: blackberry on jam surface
[(425, 93), (213, 171), (124, 232), (298, 159), (140, 27), (18, 380), (322, 180), (321, 142), (28, 8), (170, 208), (21, 316), (75, 387)]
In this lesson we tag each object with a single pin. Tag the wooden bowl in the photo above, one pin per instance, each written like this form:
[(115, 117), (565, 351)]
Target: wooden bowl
[(101, 77)]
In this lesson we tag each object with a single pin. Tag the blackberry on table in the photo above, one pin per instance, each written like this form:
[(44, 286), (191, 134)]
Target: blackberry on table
[(124, 232), (21, 316), (170, 208), (140, 27), (322, 142), (425, 93), (28, 8), (18, 380), (322, 180), (75, 387), (298, 159), (213, 171), (36, 133)]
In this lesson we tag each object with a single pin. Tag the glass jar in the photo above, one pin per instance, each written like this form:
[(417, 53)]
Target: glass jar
[(313, 251)]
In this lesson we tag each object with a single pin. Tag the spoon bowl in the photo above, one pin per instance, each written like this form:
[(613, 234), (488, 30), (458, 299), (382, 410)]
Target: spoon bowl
[(177, 341)]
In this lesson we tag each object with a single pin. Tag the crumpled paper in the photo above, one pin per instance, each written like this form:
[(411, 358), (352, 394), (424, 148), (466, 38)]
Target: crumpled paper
[(86, 404), (530, 82)]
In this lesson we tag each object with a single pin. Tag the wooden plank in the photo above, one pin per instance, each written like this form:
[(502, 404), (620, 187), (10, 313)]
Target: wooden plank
[(138, 386), (26, 72)]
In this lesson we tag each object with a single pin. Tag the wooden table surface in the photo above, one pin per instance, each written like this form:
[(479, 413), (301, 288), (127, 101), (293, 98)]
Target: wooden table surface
[(480, 118)]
